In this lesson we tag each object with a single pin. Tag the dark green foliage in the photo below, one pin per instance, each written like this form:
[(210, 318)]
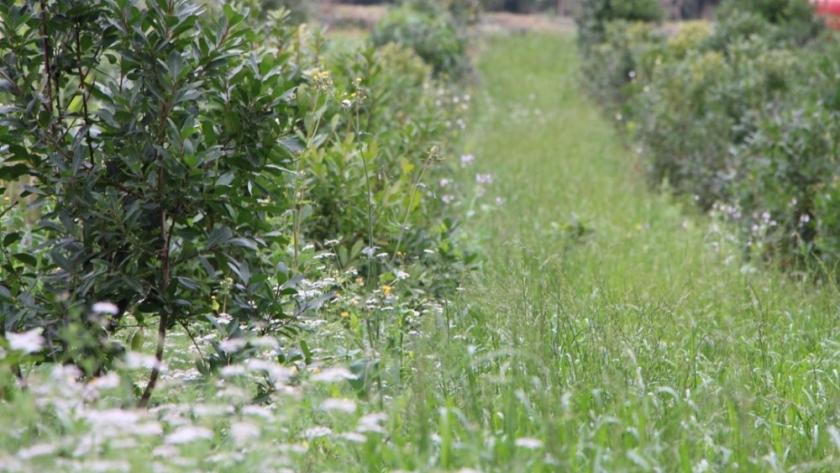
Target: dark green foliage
[(299, 10), (594, 15), (155, 171), (736, 118), (519, 6), (178, 164), (430, 32), (778, 21)]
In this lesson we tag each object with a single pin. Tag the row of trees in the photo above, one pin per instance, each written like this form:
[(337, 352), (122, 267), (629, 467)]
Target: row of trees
[(673, 9)]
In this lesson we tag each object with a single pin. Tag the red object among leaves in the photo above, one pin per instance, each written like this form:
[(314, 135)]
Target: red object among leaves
[(830, 9)]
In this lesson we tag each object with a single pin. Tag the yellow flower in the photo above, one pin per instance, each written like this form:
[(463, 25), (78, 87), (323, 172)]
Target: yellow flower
[(345, 314), (316, 370), (293, 369), (386, 290)]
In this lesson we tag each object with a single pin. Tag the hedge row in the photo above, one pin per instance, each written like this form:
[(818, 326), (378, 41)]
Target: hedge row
[(742, 118)]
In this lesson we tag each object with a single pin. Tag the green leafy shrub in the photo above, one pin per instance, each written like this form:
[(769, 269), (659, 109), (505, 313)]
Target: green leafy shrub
[(593, 16), (628, 53), (157, 174), (519, 6), (777, 21), (299, 10), (430, 32), (737, 118), (183, 174)]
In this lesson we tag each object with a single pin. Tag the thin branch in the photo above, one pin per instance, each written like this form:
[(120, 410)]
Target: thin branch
[(83, 86), (195, 343)]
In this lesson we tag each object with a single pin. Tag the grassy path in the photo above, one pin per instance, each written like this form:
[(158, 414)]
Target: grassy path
[(610, 332)]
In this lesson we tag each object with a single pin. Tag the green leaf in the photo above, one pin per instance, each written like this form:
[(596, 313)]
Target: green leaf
[(245, 243), (137, 340), (307, 353), (11, 239), (13, 172), (219, 236), (26, 259)]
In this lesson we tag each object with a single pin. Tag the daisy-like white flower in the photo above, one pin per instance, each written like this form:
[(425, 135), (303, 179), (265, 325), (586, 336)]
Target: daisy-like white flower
[(105, 307), (188, 434), (333, 375), (316, 432), (484, 178), (343, 405), (27, 342)]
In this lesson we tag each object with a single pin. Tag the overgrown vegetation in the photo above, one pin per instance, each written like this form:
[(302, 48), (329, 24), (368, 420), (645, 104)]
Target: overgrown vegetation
[(210, 173), (430, 31), (607, 332), (738, 118)]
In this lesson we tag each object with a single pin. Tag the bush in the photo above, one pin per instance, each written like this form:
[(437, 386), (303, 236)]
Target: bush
[(737, 118), (299, 10), (429, 32), (519, 6), (594, 15), (138, 174), (183, 174), (778, 21)]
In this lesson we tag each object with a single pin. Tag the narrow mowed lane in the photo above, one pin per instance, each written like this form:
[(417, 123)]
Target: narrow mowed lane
[(620, 330)]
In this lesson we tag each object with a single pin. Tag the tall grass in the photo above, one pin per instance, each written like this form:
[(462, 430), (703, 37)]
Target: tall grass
[(608, 331)]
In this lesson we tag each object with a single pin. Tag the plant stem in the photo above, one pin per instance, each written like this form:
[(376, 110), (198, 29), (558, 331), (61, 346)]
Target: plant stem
[(164, 317), (411, 204)]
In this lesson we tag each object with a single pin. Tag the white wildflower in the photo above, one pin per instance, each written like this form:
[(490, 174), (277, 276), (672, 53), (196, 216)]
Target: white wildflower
[(27, 342), (242, 431), (371, 423), (38, 450), (316, 432), (105, 307), (165, 451), (109, 466), (111, 417), (187, 434), (276, 373), (258, 411), (134, 360), (231, 371), (333, 375), (147, 429), (484, 178), (109, 381), (233, 345), (343, 405), (353, 437)]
